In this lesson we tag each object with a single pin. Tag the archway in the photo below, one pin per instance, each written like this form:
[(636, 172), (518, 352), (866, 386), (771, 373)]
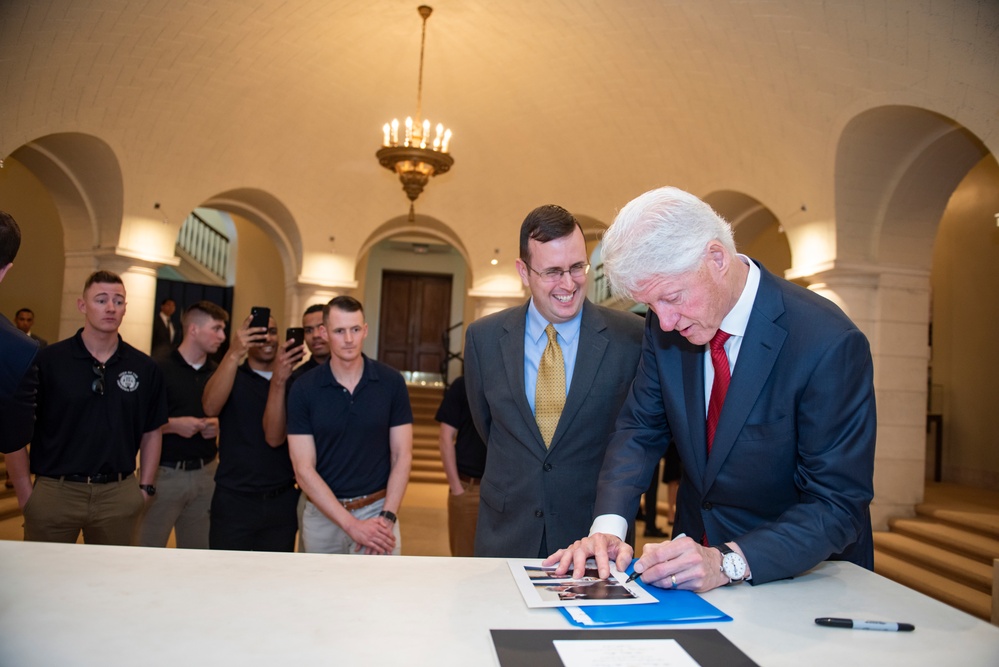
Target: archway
[(896, 168), (423, 256)]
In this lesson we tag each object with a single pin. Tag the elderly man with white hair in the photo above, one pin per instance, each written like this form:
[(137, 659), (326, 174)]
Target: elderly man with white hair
[(767, 390)]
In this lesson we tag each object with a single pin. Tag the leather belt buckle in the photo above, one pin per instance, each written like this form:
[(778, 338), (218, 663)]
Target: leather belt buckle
[(351, 504)]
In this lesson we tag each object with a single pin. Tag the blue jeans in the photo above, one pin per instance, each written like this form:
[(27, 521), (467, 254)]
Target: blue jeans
[(322, 536)]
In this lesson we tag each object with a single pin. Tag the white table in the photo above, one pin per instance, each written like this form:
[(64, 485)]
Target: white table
[(136, 607)]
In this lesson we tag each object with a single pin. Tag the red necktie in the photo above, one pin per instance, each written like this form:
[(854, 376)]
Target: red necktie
[(720, 386)]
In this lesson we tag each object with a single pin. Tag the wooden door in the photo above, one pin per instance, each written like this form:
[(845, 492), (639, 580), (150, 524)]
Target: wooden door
[(415, 313)]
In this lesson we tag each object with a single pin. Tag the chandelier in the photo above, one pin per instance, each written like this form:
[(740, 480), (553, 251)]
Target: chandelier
[(408, 149)]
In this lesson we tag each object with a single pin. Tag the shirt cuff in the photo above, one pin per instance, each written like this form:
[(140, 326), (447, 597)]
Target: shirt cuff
[(612, 524)]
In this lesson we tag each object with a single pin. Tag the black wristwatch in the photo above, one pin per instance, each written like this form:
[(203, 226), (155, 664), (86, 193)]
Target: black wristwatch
[(388, 515), (148, 488)]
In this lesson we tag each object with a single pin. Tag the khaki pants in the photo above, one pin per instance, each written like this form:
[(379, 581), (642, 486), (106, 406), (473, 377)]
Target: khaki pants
[(182, 502), (106, 513), (322, 536), (462, 517)]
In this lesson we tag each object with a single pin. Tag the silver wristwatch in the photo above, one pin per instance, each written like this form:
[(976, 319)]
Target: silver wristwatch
[(733, 565)]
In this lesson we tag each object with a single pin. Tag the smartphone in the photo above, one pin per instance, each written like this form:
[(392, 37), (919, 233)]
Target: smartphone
[(260, 316), (296, 334)]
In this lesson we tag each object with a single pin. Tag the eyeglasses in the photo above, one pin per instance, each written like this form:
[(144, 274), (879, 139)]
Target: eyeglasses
[(97, 386), (555, 275)]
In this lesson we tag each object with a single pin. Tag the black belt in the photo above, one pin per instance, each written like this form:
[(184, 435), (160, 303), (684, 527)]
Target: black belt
[(99, 478), (189, 464)]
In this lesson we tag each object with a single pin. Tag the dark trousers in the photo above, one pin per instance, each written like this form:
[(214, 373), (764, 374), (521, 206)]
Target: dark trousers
[(253, 522)]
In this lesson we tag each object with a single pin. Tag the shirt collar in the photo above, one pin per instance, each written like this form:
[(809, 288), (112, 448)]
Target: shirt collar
[(536, 325), (83, 353), (737, 320), (370, 373)]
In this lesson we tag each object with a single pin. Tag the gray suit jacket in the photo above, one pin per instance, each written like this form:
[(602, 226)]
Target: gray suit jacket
[(529, 492)]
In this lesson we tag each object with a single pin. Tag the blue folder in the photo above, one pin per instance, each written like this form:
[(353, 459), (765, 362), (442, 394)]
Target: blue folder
[(671, 606)]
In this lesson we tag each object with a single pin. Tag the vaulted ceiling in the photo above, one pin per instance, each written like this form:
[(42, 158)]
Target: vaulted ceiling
[(585, 103)]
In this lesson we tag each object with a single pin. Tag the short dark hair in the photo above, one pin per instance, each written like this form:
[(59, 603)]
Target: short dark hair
[(314, 308), (169, 298), (10, 238), (347, 304), (208, 308), (102, 276), (546, 223), (23, 310)]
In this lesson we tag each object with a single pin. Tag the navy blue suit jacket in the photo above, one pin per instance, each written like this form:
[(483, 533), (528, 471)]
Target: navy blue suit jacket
[(790, 476), (18, 384)]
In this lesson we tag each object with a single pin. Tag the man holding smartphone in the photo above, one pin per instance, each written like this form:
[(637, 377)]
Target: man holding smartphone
[(253, 507), (315, 340), (185, 481)]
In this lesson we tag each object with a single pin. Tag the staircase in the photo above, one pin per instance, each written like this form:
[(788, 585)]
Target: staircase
[(946, 551), (427, 465)]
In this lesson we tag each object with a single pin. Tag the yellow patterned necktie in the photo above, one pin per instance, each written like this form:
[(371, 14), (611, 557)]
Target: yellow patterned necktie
[(549, 398)]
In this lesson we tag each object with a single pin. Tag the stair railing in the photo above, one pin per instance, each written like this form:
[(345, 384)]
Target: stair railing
[(205, 245)]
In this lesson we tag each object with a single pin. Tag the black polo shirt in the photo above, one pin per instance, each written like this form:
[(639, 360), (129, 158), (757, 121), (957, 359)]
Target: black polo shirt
[(184, 386), (470, 451), (351, 430), (81, 432), (246, 462)]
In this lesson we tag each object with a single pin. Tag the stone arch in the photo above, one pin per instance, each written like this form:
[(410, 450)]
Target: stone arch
[(896, 168), (424, 225), (83, 175), (758, 231), (593, 228), (272, 216)]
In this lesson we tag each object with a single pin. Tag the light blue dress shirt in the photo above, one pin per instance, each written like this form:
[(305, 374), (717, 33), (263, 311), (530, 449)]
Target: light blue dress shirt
[(535, 342)]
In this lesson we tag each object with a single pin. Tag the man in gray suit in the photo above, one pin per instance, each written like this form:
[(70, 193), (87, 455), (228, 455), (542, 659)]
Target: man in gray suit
[(545, 381)]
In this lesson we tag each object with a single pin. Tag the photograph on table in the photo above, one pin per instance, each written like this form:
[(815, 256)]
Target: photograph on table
[(540, 588)]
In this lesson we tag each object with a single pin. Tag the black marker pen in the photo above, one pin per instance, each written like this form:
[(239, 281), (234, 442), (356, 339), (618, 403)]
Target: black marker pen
[(865, 625)]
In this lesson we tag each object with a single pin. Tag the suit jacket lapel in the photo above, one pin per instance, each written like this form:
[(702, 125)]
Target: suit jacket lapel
[(512, 354), (760, 348), (589, 353)]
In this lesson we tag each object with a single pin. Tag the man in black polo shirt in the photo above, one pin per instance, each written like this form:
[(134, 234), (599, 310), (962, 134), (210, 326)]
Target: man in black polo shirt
[(186, 477), (253, 507), (100, 401), (350, 430)]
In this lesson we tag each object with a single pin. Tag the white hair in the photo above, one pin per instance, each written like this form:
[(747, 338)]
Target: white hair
[(663, 232)]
